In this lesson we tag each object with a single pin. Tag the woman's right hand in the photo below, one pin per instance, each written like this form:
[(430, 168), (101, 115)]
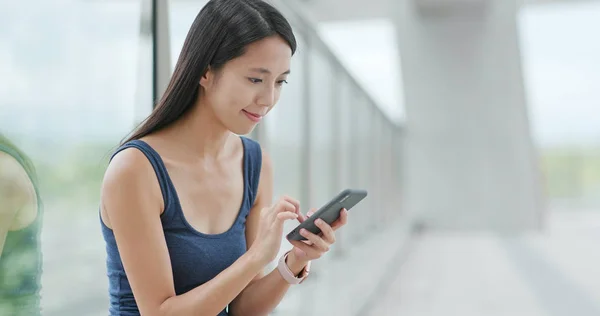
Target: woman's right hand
[(270, 228)]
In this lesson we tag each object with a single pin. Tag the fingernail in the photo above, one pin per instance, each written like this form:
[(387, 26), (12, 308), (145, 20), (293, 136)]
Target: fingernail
[(303, 231), (319, 221)]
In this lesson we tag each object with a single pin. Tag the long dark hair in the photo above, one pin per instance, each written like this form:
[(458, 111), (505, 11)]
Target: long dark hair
[(220, 33)]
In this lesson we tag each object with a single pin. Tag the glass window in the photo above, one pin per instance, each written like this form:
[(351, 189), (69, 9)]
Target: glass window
[(397, 144), (70, 92), (345, 149), (181, 16), (356, 152), (377, 165), (320, 128), (365, 139), (388, 172), (344, 115), (561, 71)]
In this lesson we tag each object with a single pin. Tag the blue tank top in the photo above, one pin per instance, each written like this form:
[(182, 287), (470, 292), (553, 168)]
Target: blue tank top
[(21, 260), (195, 257)]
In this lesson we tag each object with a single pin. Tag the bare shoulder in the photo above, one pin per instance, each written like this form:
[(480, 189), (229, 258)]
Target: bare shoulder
[(11, 169), (129, 162), (130, 184), (15, 185), (131, 207)]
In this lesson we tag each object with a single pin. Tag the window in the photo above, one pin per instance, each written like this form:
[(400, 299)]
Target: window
[(70, 92)]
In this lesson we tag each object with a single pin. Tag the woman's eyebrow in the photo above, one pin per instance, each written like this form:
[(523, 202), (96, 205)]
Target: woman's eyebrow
[(266, 71)]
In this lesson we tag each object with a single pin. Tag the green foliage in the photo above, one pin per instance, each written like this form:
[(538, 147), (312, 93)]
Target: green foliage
[(75, 176), (571, 173)]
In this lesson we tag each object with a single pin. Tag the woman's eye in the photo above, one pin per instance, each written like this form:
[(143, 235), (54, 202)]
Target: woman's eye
[(255, 80), (281, 82)]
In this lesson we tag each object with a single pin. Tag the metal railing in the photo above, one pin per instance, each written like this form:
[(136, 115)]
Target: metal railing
[(344, 139)]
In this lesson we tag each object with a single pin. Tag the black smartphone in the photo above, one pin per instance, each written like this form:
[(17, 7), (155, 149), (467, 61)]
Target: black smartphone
[(330, 212)]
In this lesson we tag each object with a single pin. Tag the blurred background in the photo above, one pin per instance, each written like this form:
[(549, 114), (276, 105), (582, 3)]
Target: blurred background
[(474, 124)]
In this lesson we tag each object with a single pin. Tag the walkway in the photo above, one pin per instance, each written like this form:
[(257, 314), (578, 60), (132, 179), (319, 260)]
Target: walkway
[(556, 273)]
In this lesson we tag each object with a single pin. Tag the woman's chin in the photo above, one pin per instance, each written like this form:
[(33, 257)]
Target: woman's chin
[(243, 129)]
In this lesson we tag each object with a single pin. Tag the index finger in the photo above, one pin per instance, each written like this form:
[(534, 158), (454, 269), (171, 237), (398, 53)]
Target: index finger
[(296, 206), (301, 218), (294, 202)]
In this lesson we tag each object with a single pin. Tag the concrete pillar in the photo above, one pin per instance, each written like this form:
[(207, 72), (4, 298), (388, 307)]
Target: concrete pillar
[(470, 161)]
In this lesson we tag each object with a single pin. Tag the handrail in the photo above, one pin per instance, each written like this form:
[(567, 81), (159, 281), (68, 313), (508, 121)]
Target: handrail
[(299, 16)]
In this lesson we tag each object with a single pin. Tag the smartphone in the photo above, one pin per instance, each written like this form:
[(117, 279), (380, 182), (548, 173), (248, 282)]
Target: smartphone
[(330, 212)]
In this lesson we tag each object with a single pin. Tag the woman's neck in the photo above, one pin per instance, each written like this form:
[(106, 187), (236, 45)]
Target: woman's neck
[(199, 135)]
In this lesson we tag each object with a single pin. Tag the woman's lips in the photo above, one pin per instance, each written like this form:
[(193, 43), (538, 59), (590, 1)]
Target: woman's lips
[(252, 116)]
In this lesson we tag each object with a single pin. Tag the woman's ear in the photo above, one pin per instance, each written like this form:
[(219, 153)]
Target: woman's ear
[(207, 78)]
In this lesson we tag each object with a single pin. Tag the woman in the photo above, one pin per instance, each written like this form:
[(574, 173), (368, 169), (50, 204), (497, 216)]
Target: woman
[(186, 203), (20, 227)]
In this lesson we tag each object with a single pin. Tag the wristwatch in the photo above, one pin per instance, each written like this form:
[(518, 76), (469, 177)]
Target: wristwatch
[(288, 275)]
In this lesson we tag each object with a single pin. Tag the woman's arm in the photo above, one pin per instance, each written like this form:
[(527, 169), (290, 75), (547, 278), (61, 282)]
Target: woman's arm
[(264, 293), (132, 203)]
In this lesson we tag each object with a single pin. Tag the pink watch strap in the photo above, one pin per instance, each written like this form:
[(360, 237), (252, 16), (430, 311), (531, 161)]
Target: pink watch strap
[(288, 275)]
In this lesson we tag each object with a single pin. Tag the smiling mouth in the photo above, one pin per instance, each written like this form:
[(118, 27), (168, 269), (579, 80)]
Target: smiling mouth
[(252, 116)]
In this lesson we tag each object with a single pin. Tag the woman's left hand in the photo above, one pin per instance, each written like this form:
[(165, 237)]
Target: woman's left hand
[(316, 245)]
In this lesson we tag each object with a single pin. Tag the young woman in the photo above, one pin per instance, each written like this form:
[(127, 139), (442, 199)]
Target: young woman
[(20, 228), (186, 203)]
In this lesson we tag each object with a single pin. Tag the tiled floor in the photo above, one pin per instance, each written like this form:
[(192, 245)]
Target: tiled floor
[(555, 273)]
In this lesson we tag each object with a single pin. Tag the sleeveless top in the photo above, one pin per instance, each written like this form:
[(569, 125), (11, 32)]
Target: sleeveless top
[(195, 257), (21, 260)]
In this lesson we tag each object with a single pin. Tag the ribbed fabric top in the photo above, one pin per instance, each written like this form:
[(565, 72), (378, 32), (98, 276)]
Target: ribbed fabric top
[(195, 257)]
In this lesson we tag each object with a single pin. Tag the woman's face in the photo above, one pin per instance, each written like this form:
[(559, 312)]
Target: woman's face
[(247, 87)]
